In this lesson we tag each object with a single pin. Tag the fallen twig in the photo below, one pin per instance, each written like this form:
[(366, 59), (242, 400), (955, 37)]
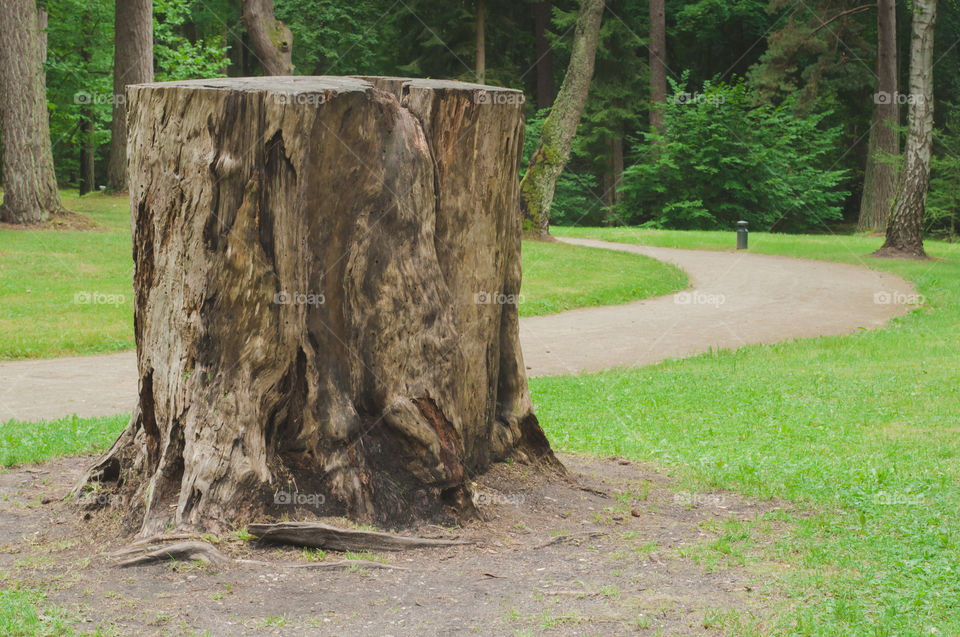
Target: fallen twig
[(576, 538)]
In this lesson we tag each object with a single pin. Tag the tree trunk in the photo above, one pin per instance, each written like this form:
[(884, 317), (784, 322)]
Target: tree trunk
[(544, 52), (87, 126), (658, 63), (271, 39), (30, 183), (560, 127), (613, 176), (481, 44), (905, 229), (325, 300), (132, 64), (87, 181), (880, 177)]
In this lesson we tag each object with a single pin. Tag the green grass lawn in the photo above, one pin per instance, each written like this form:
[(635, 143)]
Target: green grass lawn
[(24, 613), (862, 431), (69, 292), (23, 442), (559, 277)]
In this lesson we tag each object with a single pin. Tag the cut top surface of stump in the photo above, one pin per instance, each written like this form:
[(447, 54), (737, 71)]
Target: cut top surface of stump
[(336, 84)]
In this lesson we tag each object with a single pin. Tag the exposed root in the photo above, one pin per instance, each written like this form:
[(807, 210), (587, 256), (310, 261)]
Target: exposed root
[(189, 551), (186, 551), (317, 535)]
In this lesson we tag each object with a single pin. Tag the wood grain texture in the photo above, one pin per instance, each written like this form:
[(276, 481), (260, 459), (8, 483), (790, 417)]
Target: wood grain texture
[(321, 270)]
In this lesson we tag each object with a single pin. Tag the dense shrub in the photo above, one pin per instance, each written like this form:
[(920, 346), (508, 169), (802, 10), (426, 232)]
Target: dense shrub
[(721, 158)]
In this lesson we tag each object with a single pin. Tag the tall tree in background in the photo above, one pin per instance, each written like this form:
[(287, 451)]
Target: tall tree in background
[(880, 176), (481, 57), (132, 64), (658, 62), (271, 39), (30, 183), (905, 229), (556, 138), (544, 53)]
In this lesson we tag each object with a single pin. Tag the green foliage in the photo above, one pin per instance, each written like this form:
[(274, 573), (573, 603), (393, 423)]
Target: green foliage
[(177, 57), (79, 79), (943, 201), (333, 38), (721, 159)]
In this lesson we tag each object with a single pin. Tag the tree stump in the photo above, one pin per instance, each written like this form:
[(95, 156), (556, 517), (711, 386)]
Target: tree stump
[(325, 299)]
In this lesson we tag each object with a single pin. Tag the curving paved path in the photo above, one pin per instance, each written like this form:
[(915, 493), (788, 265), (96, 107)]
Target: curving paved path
[(735, 299)]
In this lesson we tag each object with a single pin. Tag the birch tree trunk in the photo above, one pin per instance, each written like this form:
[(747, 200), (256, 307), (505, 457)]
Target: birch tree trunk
[(132, 64), (30, 183), (560, 127), (905, 229), (326, 284)]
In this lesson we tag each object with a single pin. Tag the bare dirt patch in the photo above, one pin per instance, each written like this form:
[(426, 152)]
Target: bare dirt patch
[(599, 554), (65, 220)]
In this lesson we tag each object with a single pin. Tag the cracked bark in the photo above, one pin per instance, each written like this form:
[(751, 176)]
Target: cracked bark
[(308, 255), (29, 181)]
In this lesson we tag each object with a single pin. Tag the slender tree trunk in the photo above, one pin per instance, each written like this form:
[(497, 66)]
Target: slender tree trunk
[(905, 229), (658, 63), (560, 127), (30, 183), (880, 176), (132, 64), (87, 179), (360, 350), (272, 40), (87, 151), (544, 52), (481, 44)]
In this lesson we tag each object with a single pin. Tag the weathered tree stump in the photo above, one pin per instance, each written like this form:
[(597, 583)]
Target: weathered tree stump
[(320, 269)]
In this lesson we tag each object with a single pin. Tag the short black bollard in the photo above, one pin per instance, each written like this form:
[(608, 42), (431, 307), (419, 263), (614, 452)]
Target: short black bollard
[(741, 235)]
